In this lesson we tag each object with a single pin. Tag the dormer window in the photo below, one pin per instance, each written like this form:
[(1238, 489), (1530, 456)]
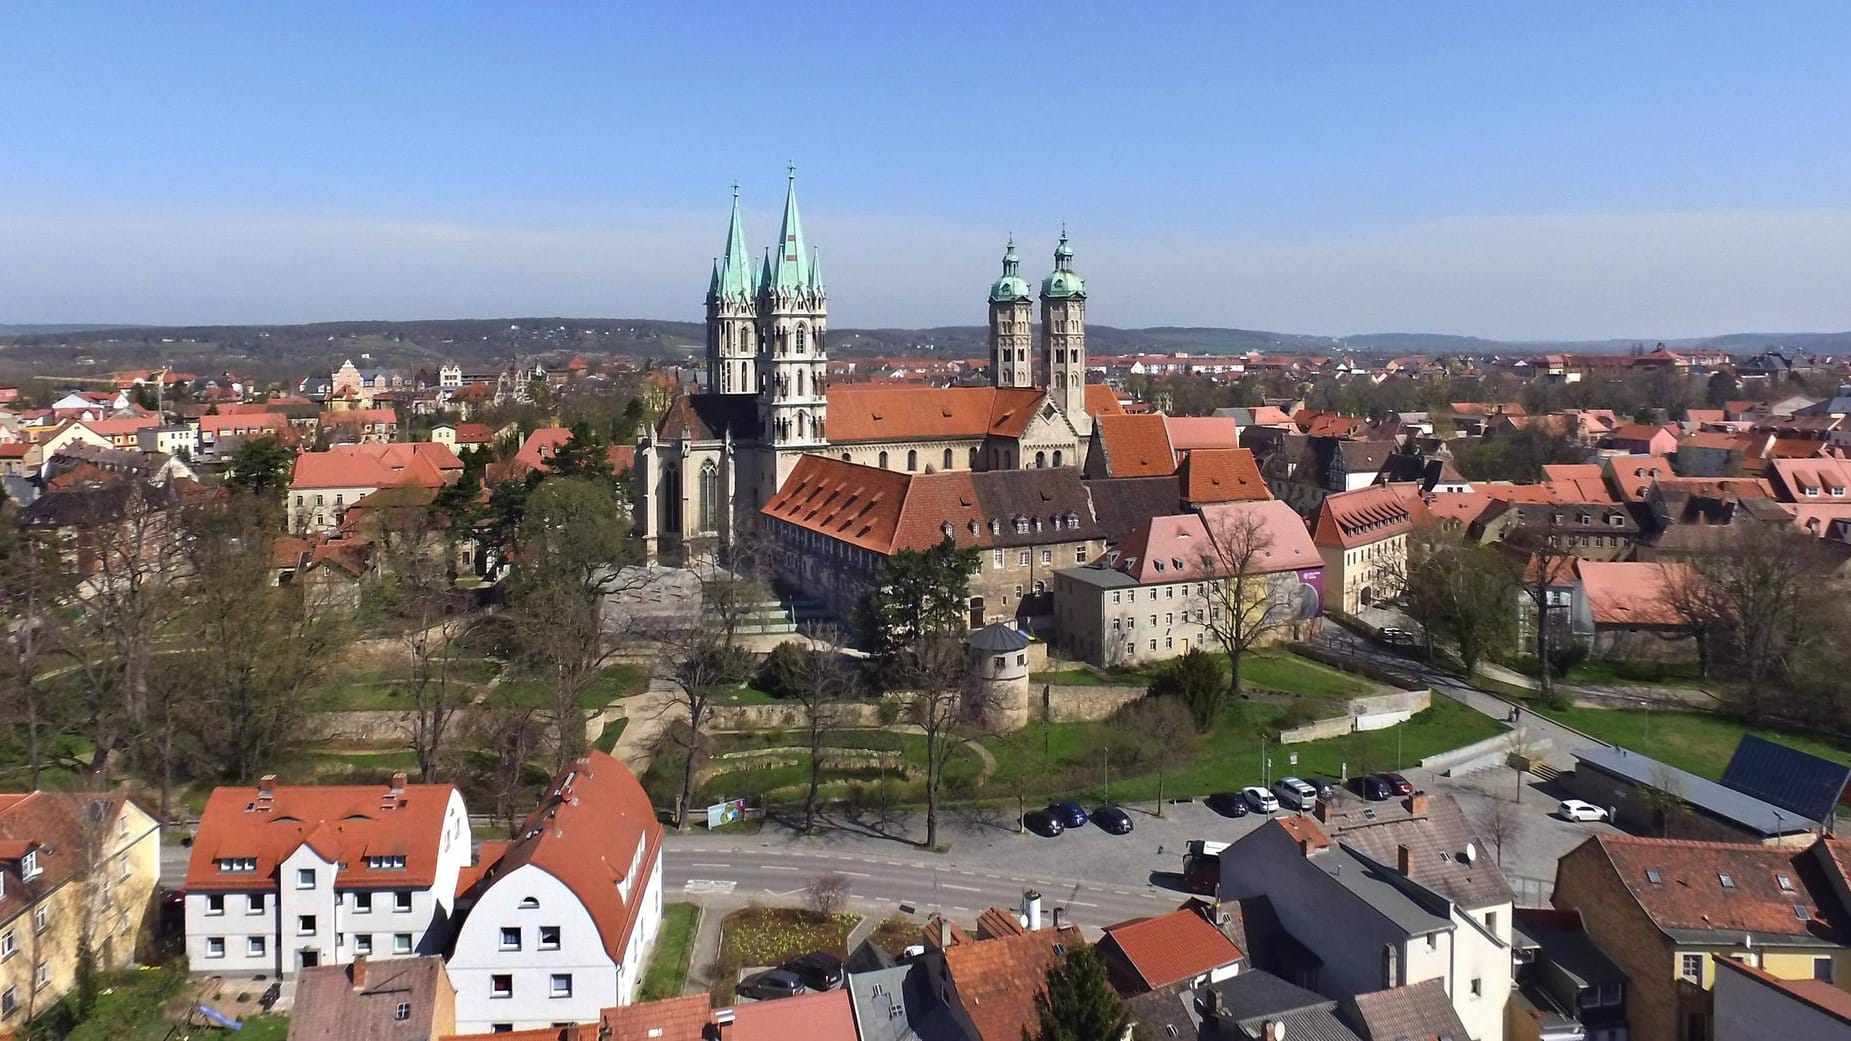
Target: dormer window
[(237, 865), (29, 865), (1021, 525), (996, 526), (1812, 491), (945, 528), (1838, 491)]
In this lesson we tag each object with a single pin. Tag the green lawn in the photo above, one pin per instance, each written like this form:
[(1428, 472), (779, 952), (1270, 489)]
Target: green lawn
[(1272, 669), (667, 973), (607, 741), (1699, 742), (614, 684), (1622, 673)]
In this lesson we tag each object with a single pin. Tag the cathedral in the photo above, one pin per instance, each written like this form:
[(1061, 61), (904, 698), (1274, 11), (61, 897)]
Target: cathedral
[(717, 457)]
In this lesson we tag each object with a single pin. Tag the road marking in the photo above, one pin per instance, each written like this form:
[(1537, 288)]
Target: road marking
[(1081, 903), (710, 865), (855, 874), (967, 889), (708, 885), (776, 867)]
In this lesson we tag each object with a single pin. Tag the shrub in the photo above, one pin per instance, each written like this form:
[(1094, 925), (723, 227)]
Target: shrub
[(1566, 655), (781, 673)]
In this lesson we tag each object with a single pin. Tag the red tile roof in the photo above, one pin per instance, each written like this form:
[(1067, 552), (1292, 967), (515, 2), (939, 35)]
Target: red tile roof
[(1825, 478), (346, 823), (1194, 432), (376, 466), (672, 1019), (1222, 475), (1631, 592), (1177, 946), (1135, 446), (1691, 895), (52, 824), (1350, 519), (807, 1017), (1180, 548), (585, 833), (997, 980), (240, 422), (359, 417)]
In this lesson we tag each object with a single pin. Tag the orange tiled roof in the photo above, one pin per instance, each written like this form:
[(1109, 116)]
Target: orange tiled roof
[(241, 421), (346, 823), (1691, 894), (1350, 519), (359, 417), (1177, 946), (1134, 446), (997, 980), (1222, 475), (376, 466), (1630, 592)]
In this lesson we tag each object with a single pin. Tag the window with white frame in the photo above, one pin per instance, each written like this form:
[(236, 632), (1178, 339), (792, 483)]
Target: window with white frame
[(401, 901), (501, 985), (362, 943), (41, 918), (254, 903), (402, 1012), (254, 947), (305, 878), (305, 924), (9, 945), (549, 937), (41, 976), (510, 938), (401, 943), (561, 985), (215, 903), (9, 1002), (362, 903), (215, 946)]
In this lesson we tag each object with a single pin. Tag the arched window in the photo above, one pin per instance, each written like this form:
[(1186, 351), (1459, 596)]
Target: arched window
[(670, 520), (947, 465), (883, 460), (1041, 460), (1057, 458), (845, 457), (973, 459), (912, 460), (803, 339), (800, 378), (709, 497)]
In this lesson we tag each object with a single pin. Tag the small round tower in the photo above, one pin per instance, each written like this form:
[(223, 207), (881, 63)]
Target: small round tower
[(999, 677)]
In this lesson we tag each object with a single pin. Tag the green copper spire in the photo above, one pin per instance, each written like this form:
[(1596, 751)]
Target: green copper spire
[(1063, 282), (764, 274), (791, 265), (733, 273), (816, 270), (713, 284), (1011, 286)]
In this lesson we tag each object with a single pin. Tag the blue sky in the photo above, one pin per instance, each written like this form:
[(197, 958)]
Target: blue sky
[(1533, 170)]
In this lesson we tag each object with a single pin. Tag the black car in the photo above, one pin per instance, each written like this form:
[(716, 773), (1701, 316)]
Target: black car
[(819, 970), (1399, 784), (1043, 823), (1326, 786), (1112, 819), (1072, 814), (1229, 804), (770, 984), (1374, 788)]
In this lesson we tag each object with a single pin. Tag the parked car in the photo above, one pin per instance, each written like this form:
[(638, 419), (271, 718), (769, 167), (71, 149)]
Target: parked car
[(1326, 787), (1259, 800), (1112, 819), (1399, 784), (1576, 810), (771, 984), (1295, 794), (1043, 823), (819, 970), (1374, 788), (1228, 804), (1071, 814)]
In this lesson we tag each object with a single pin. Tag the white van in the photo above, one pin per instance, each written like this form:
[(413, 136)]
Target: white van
[(1295, 794)]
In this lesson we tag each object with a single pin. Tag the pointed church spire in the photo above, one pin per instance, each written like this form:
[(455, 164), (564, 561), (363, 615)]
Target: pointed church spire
[(816, 270), (791, 266), (713, 284), (735, 269), (764, 274)]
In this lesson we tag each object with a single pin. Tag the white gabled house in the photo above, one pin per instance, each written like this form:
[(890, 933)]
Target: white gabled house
[(287, 878), (559, 922)]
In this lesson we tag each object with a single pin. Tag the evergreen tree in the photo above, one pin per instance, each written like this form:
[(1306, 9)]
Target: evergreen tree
[(1079, 1003), (584, 455), (920, 592), (261, 466)]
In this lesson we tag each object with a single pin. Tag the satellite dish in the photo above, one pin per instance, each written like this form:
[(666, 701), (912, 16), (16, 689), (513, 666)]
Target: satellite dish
[(1471, 852)]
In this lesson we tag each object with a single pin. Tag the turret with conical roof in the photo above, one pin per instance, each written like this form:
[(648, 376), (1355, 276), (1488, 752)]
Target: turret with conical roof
[(732, 315), (1011, 321), (1063, 336), (793, 315)]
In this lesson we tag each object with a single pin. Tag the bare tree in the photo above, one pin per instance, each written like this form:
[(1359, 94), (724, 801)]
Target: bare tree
[(30, 582), (1664, 796), (434, 694), (1504, 824), (828, 893), (509, 736), (1248, 600), (821, 686), (942, 704), (1164, 726), (1550, 559), (700, 653)]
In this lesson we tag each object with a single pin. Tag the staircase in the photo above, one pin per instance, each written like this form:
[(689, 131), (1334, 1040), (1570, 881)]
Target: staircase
[(784, 615)]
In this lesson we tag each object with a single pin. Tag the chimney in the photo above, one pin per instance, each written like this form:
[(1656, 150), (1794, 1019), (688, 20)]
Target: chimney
[(398, 783), (1404, 859), (1031, 909), (1304, 848), (1321, 811), (266, 787), (1057, 911), (357, 972), (1416, 803)]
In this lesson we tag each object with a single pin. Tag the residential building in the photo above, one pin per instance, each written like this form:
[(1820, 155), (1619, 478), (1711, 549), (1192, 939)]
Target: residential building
[(220, 435), (1423, 1010), (1752, 1004), (400, 999), (73, 868), (1434, 909), (285, 878), (914, 1001), (1567, 987), (175, 439), (1151, 596), (1643, 439), (1185, 946), (366, 426), (324, 484), (828, 1016), (1363, 538), (560, 921), (997, 980), (1253, 1006), (1629, 610), (1826, 479), (1669, 911)]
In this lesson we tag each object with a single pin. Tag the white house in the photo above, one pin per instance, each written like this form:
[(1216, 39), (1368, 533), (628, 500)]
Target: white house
[(560, 923), (287, 878), (1388, 895)]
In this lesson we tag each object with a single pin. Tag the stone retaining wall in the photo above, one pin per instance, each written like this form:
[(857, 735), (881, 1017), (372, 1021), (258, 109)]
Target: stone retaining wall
[(1369, 712)]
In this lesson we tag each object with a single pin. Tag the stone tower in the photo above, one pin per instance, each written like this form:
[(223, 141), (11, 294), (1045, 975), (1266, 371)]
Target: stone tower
[(793, 364), (732, 316), (1011, 336), (1063, 337), (998, 678)]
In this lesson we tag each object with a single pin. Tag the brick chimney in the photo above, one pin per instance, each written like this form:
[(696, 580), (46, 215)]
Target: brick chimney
[(398, 782), (1404, 859), (1321, 811), (357, 972), (1416, 803), (266, 786)]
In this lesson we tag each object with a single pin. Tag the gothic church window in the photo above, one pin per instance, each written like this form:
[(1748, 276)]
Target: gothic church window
[(803, 338), (1057, 458), (709, 497)]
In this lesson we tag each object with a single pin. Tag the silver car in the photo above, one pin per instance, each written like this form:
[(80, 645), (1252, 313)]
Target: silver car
[(1295, 794), (1261, 800)]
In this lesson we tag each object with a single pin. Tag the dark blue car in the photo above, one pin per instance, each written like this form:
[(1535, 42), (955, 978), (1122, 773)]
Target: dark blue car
[(1072, 814)]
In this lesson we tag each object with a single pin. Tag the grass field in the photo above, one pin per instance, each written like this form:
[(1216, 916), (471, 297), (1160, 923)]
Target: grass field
[(667, 973), (1276, 670), (616, 683), (1699, 742)]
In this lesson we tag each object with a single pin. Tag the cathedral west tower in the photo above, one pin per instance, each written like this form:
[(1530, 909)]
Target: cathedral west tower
[(793, 363), (732, 316), (1011, 335), (1063, 337)]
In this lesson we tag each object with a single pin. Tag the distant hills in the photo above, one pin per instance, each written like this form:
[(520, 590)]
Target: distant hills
[(427, 343)]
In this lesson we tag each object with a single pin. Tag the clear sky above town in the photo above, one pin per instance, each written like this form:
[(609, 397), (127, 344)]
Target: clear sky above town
[(1509, 170)]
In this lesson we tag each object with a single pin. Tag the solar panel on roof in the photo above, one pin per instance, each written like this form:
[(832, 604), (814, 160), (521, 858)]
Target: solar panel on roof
[(1786, 777)]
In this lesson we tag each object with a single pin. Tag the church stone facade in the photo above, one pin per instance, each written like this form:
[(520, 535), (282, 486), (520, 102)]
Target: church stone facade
[(717, 457)]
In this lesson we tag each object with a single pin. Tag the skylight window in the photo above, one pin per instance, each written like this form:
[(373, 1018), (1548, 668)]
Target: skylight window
[(1652, 876), (1800, 912), (1727, 880), (1785, 882)]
